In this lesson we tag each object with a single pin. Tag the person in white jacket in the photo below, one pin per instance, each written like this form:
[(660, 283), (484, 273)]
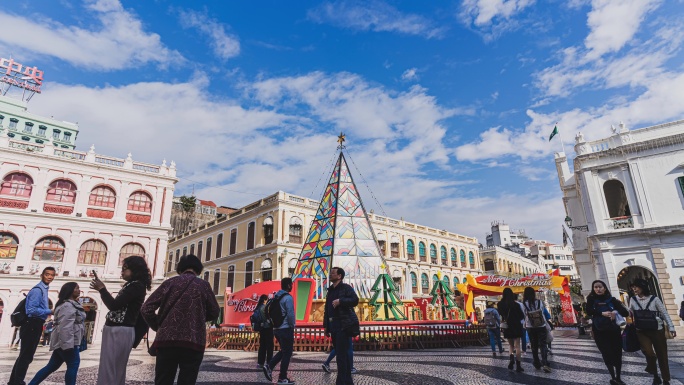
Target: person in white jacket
[(66, 337)]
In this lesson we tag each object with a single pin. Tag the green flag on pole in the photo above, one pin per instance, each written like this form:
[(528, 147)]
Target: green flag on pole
[(554, 133)]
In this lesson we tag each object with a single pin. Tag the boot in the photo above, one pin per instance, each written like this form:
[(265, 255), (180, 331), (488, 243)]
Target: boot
[(510, 364), (518, 368)]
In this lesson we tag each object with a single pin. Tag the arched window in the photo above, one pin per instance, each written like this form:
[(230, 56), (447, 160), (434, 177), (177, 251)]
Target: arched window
[(446, 281), (49, 249), (17, 184), (268, 230), (465, 280), (463, 258), (616, 199), (435, 279), (454, 259), (131, 249), (266, 270), (471, 259), (219, 245), (394, 247), (250, 235), (200, 245), (232, 248), (102, 196), (140, 201), (424, 283), (295, 234), (414, 283), (249, 266), (217, 280), (206, 276), (456, 282), (92, 252), (421, 252), (443, 255), (433, 253), (410, 249), (230, 282), (192, 249), (61, 190), (8, 246)]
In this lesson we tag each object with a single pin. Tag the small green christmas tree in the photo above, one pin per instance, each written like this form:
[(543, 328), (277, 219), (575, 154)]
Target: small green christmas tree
[(442, 294), (390, 308)]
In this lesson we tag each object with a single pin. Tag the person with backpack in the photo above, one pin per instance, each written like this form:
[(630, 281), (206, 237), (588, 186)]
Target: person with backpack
[(603, 308), (340, 322), (492, 320), (512, 319), (70, 327), (280, 311), (118, 334), (650, 319), (31, 317), (261, 324), (535, 323), (179, 311)]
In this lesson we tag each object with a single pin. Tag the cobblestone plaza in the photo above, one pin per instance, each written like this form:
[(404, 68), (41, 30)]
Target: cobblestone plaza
[(575, 361)]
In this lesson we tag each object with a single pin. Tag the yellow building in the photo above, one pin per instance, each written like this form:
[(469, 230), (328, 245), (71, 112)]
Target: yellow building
[(262, 241)]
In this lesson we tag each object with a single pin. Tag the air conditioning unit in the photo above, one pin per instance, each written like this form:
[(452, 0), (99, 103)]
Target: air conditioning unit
[(257, 280)]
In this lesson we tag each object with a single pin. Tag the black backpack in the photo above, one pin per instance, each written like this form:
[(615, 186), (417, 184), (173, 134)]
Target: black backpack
[(18, 316), (645, 319), (273, 311)]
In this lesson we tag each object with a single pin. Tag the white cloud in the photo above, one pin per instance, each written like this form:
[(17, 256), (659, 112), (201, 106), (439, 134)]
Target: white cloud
[(614, 23), (375, 15), (410, 74), (492, 17), (225, 45), (118, 42)]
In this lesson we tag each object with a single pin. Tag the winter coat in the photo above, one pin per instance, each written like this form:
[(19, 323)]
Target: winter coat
[(344, 312), (69, 326)]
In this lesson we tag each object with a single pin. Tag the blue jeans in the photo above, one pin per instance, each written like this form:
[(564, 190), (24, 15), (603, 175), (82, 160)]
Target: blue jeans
[(285, 338), (59, 356), (333, 353), (495, 338)]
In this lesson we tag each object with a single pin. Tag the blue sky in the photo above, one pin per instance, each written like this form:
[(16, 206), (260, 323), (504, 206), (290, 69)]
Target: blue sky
[(447, 105)]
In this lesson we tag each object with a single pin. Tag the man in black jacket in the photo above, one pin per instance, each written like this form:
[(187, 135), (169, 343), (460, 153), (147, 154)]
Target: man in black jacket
[(340, 322)]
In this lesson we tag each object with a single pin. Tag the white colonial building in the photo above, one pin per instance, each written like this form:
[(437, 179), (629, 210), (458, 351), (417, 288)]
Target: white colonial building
[(77, 212), (625, 202)]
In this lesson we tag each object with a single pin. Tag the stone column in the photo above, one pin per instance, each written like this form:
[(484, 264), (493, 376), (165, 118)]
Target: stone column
[(669, 299)]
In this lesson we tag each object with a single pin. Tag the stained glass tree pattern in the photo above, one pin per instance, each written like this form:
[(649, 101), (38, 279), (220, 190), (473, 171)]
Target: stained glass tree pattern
[(442, 296), (341, 236)]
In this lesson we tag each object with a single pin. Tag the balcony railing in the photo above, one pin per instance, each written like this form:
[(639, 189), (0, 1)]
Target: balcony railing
[(454, 263), (423, 258), (411, 256), (622, 223), (295, 238), (433, 261)]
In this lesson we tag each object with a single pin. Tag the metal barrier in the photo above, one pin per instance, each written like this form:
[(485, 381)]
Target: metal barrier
[(313, 339)]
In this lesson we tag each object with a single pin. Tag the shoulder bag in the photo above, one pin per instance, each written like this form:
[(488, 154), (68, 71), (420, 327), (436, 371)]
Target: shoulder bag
[(504, 323), (152, 350)]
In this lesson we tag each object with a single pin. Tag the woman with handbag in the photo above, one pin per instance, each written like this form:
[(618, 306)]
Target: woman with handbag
[(603, 310), (69, 329), (178, 311), (118, 334), (649, 316), (512, 327)]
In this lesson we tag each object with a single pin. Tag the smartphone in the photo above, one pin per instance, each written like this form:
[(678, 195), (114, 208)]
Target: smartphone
[(95, 274)]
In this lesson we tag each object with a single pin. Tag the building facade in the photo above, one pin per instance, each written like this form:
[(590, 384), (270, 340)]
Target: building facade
[(77, 212), (26, 127), (184, 218), (262, 241), (625, 204), (500, 261)]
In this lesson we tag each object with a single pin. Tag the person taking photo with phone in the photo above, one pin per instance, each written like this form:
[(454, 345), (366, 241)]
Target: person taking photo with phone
[(118, 334)]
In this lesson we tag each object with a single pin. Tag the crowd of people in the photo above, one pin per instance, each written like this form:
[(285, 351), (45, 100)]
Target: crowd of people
[(651, 322), (179, 309)]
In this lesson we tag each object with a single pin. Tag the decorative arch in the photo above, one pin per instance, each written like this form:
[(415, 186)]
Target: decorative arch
[(139, 207), (92, 252), (130, 249), (616, 199), (49, 249), (60, 197), (15, 190), (425, 283), (463, 258), (410, 249), (433, 253), (9, 244), (414, 283), (268, 230), (295, 230), (102, 201), (443, 255)]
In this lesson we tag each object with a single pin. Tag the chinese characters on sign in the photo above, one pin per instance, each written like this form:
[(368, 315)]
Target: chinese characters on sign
[(15, 74)]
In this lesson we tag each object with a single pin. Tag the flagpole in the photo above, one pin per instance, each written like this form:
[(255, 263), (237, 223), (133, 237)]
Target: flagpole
[(561, 138)]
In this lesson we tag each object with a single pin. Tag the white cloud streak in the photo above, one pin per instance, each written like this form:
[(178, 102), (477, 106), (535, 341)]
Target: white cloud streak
[(225, 45), (492, 17), (119, 42), (374, 15)]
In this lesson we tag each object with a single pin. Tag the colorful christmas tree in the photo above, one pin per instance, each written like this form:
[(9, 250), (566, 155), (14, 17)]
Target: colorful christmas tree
[(341, 236), (442, 296), (390, 308)]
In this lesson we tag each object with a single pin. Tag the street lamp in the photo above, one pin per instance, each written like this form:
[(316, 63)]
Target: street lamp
[(568, 222)]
